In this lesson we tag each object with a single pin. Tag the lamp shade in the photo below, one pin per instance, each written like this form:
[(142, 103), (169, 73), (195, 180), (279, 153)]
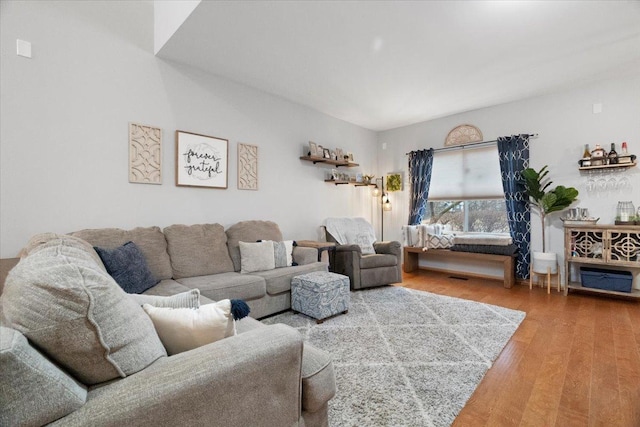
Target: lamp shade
[(386, 206)]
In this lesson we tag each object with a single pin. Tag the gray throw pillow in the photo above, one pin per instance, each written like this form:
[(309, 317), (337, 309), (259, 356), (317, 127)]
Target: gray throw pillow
[(128, 266), (188, 299), (33, 391), (73, 311)]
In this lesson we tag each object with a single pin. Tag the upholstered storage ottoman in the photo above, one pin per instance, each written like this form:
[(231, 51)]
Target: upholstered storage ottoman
[(320, 294)]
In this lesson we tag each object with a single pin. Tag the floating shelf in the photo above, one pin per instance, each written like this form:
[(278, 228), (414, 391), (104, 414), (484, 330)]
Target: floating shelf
[(620, 165), (357, 184), (335, 163)]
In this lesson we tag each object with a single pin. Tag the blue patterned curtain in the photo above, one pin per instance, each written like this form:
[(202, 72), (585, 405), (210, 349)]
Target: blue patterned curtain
[(420, 167), (513, 152)]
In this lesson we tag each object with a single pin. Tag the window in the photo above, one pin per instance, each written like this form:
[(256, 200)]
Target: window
[(487, 216), (466, 190), (467, 174)]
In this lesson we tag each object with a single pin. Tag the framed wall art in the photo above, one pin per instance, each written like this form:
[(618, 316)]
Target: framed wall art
[(145, 154), (247, 167), (394, 181), (201, 161), (313, 149)]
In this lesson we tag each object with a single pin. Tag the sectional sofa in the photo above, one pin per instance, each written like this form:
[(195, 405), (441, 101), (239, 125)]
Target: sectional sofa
[(77, 350), (207, 257)]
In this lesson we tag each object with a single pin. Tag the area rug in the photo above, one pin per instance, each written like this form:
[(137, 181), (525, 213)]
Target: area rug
[(404, 357)]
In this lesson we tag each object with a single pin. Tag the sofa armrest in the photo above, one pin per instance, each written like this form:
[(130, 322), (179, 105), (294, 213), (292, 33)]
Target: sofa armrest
[(392, 248), (226, 382), (304, 255)]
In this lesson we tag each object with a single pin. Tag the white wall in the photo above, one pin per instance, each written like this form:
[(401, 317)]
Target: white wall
[(564, 122), (168, 16), (64, 131)]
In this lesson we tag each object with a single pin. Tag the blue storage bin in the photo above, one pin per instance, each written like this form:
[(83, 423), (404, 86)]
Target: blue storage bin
[(610, 280)]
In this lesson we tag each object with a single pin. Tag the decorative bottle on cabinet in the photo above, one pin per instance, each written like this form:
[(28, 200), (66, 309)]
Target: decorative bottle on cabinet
[(613, 155)]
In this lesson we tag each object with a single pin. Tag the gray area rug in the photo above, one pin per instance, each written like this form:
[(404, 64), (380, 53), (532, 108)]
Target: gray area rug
[(404, 357)]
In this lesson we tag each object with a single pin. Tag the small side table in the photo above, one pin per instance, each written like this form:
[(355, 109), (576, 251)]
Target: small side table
[(329, 247)]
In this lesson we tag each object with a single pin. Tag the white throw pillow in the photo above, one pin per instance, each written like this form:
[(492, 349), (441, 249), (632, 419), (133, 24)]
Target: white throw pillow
[(183, 329), (256, 256), (364, 240)]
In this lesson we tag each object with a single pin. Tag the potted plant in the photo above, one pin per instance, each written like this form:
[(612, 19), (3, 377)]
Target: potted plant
[(545, 202)]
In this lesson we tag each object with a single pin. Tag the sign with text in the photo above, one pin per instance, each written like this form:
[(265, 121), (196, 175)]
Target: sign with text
[(201, 161)]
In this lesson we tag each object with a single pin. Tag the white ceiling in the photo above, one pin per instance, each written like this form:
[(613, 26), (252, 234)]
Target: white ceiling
[(385, 64)]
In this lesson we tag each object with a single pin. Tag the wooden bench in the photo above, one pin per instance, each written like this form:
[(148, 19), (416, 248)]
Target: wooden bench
[(412, 255)]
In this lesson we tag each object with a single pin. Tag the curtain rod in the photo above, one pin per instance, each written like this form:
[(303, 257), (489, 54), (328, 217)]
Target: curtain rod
[(473, 144)]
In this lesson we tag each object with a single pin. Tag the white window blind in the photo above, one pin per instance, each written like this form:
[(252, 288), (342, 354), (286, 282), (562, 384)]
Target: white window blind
[(466, 174)]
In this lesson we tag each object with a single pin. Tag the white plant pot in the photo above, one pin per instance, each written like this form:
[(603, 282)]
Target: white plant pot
[(543, 260)]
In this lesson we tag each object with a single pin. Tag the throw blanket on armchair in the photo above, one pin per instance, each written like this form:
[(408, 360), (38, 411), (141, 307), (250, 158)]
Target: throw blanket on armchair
[(349, 231)]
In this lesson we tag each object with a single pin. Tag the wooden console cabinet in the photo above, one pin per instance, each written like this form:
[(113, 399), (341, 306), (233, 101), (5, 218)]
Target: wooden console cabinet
[(601, 245)]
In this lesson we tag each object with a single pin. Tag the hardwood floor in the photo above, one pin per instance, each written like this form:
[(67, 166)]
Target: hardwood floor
[(574, 361)]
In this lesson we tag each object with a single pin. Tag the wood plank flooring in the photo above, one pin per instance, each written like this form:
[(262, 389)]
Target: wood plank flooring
[(574, 361)]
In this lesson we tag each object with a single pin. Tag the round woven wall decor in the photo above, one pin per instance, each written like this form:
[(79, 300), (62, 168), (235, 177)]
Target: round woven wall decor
[(463, 134)]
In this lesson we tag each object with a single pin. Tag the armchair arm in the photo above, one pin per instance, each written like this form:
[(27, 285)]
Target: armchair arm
[(392, 248), (349, 248), (304, 255), (225, 383)]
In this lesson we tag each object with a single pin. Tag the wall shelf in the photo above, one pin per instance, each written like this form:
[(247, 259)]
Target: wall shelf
[(335, 163), (621, 165), (357, 184)]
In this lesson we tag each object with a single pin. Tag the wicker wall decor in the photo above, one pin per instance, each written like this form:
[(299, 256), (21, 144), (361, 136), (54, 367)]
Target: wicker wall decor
[(145, 154), (463, 134), (247, 167)]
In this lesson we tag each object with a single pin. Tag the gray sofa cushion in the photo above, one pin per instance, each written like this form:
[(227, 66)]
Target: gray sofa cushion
[(90, 326), (33, 391), (227, 285), (250, 231), (197, 250), (149, 240), (279, 280)]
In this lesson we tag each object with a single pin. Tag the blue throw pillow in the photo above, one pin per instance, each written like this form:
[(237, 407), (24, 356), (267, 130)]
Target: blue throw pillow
[(128, 266)]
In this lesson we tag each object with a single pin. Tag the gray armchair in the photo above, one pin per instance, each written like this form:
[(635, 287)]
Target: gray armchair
[(368, 270)]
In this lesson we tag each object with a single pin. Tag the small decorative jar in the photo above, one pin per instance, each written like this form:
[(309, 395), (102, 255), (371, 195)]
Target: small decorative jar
[(625, 212)]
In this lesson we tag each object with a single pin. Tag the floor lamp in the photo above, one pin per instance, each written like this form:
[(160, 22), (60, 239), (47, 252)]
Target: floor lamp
[(385, 203)]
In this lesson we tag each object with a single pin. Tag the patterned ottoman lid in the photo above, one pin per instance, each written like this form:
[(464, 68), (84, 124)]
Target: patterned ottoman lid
[(320, 280)]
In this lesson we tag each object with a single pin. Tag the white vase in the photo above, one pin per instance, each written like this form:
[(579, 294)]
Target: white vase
[(543, 260)]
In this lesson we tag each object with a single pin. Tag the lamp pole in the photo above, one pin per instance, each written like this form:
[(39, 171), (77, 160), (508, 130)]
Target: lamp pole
[(382, 209), (385, 204)]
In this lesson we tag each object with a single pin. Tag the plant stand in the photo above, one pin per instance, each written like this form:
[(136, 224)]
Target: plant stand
[(546, 275)]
